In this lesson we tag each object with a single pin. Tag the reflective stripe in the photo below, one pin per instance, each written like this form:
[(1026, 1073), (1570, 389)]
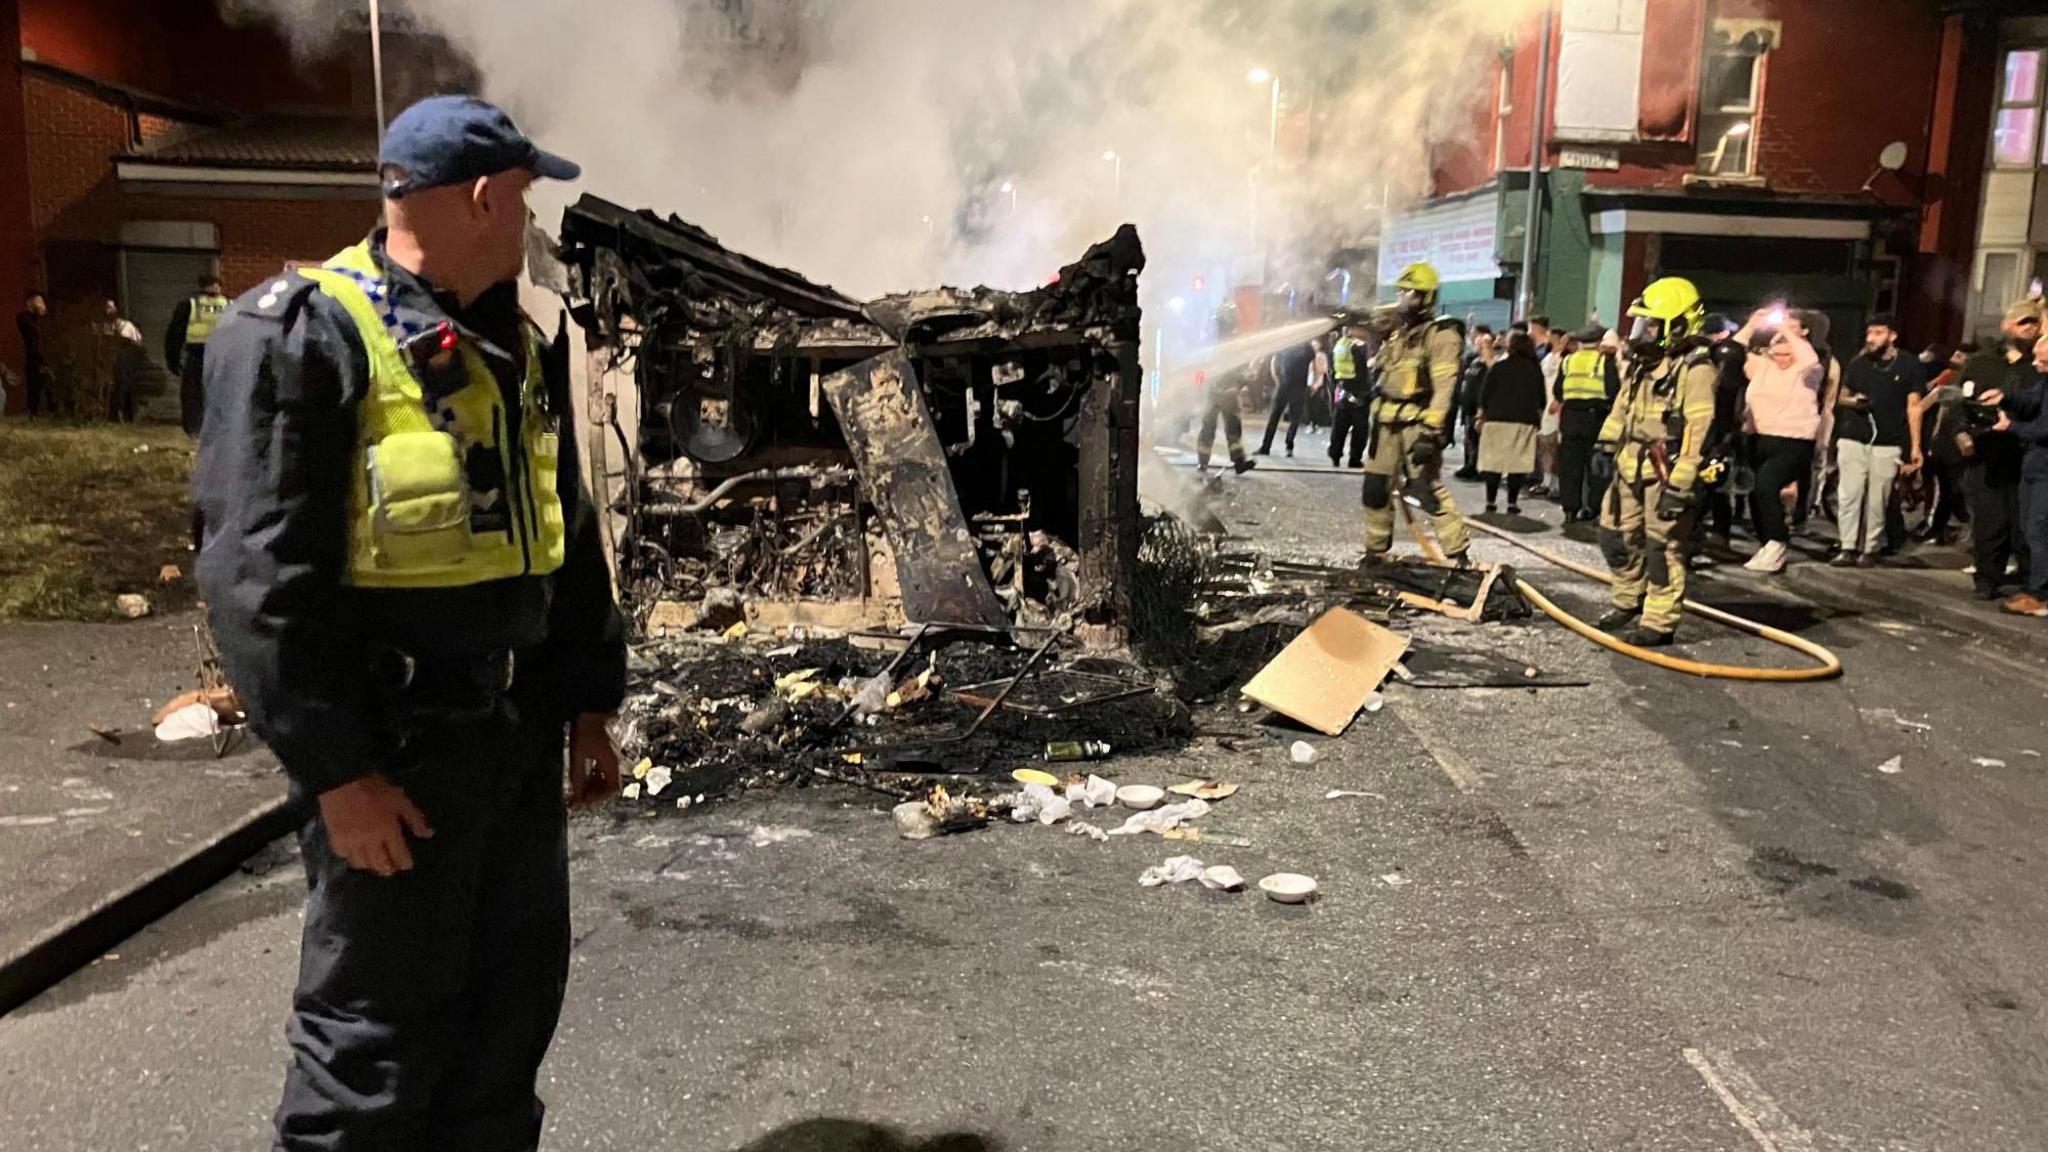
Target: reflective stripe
[(202, 316)]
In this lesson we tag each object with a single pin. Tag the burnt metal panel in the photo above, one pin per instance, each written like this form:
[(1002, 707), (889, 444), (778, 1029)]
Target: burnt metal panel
[(903, 472)]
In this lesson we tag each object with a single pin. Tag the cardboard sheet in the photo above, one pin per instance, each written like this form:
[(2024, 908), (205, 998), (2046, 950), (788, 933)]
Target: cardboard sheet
[(1324, 676)]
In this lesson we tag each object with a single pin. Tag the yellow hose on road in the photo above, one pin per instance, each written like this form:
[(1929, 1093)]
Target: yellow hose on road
[(1830, 666)]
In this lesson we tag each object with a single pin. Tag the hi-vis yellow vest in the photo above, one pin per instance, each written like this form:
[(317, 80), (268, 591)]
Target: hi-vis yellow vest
[(1345, 359), (443, 499), (1585, 376), (202, 316)]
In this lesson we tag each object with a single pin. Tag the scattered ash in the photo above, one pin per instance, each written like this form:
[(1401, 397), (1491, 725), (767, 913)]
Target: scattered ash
[(726, 718)]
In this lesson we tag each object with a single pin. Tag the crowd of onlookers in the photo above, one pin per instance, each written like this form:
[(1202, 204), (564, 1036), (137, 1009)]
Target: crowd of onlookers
[(1891, 447)]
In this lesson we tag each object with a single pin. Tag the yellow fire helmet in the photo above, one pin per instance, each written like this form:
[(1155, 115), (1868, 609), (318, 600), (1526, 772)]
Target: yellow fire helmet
[(1668, 312), (1419, 277)]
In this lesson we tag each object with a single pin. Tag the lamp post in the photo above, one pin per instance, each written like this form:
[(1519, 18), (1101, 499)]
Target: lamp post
[(1010, 190), (1118, 161), (377, 65)]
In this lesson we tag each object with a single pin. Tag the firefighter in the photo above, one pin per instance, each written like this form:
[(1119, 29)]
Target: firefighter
[(409, 591), (1418, 370), (1219, 403), (1586, 387), (192, 324), (1656, 435)]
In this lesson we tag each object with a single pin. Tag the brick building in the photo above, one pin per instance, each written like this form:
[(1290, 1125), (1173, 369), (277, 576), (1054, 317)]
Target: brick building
[(145, 142), (1830, 152)]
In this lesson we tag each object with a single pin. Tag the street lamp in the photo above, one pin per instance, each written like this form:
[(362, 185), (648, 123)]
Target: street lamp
[(1010, 190), (1111, 156), (377, 65)]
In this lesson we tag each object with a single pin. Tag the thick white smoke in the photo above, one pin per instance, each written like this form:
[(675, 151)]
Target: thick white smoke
[(867, 142)]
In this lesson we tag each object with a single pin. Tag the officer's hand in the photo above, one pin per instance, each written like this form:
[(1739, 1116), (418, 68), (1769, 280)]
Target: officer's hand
[(367, 819), (593, 760)]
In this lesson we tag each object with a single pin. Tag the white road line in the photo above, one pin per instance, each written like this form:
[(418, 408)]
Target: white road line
[(1752, 1107), (1463, 778)]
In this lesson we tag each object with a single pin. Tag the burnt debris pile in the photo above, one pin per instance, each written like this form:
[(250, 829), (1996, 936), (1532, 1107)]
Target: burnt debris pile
[(958, 455)]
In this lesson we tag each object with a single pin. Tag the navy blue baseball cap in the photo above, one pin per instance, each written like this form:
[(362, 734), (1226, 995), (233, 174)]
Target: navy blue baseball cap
[(445, 140)]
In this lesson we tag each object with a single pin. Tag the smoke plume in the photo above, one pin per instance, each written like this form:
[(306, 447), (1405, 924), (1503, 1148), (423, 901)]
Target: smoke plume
[(868, 143)]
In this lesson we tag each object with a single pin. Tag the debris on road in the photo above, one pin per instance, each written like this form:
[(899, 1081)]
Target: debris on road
[(1395, 880), (1302, 752), (1076, 751), (1176, 870), (192, 722), (1160, 820), (1288, 888), (1893, 766), (1892, 715), (1211, 790), (132, 605), (1987, 762), (1329, 672), (1140, 797), (1222, 878), (1341, 793)]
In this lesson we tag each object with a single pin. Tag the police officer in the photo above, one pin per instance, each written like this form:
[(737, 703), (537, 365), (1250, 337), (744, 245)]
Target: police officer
[(192, 324), (1418, 376), (406, 583), (1587, 386), (1348, 412), (1657, 432)]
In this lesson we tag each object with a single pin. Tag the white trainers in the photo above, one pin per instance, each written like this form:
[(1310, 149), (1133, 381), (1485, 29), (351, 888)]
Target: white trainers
[(1768, 559)]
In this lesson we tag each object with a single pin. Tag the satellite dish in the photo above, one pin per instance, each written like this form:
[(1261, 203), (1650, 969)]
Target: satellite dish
[(1893, 157)]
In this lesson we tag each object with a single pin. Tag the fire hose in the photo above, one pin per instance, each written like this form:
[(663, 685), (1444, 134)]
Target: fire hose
[(1829, 665)]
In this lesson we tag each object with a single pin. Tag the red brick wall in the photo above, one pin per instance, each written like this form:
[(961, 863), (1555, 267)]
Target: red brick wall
[(1849, 77), (17, 243), (71, 137), (258, 237)]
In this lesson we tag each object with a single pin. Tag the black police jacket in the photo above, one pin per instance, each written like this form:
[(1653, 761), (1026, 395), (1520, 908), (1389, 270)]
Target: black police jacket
[(285, 371)]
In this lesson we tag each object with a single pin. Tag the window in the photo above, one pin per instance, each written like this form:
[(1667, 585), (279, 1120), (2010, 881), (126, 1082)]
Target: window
[(1731, 98), (2016, 125), (1503, 107)]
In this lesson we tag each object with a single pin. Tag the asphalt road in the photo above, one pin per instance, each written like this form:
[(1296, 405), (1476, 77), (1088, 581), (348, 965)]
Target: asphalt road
[(1654, 912)]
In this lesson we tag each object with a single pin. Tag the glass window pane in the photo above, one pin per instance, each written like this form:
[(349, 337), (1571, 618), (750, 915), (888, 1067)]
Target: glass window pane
[(2012, 137), (2000, 288), (2022, 78), (1724, 145), (1729, 82)]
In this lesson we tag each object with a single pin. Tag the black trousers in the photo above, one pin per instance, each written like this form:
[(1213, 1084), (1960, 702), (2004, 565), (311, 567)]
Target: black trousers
[(2034, 512), (1780, 460), (1996, 531), (37, 384), (426, 1001), (1290, 404), (1354, 421), (1578, 437), (192, 390)]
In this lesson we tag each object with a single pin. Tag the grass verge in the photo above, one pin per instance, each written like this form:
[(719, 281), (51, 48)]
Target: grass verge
[(91, 511)]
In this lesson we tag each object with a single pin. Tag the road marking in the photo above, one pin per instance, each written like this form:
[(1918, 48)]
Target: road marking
[(1752, 1107), (1463, 778)]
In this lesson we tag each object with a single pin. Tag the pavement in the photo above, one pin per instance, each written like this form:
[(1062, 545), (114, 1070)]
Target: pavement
[(1654, 912), (100, 834)]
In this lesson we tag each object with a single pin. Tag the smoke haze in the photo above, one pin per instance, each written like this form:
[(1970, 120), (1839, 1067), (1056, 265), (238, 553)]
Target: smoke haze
[(866, 142)]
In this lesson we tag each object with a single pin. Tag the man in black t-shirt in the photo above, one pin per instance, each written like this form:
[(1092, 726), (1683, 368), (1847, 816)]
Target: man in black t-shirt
[(1290, 368), (1877, 438)]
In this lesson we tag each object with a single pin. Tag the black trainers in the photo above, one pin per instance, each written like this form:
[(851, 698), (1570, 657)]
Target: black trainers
[(1842, 560), (1244, 466), (1616, 619), (1640, 637), (1514, 509)]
